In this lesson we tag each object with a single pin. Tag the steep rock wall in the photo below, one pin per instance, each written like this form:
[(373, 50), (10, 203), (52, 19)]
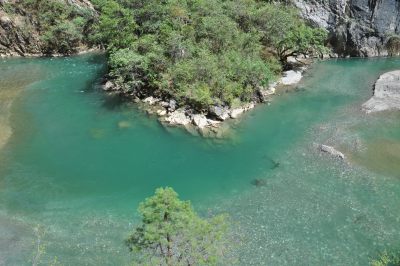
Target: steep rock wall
[(21, 29), (357, 27)]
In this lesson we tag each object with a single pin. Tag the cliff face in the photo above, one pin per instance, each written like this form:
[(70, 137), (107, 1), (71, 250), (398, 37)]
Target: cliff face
[(43, 26), (357, 27)]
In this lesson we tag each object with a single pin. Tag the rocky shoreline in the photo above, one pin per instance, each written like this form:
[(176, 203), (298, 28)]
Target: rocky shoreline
[(81, 51), (213, 122), (386, 93)]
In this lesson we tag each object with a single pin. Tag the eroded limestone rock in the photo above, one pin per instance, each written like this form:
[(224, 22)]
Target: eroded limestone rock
[(386, 93)]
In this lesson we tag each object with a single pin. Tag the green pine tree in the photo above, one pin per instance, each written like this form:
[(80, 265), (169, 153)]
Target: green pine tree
[(171, 233)]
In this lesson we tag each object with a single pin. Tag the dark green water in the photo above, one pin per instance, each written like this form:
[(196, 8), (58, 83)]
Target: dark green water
[(78, 162)]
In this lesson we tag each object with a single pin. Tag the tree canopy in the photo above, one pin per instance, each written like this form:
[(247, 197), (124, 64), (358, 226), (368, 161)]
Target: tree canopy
[(171, 233), (201, 52)]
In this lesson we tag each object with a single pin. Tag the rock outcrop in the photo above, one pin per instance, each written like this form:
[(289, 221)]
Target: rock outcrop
[(386, 93), (357, 27)]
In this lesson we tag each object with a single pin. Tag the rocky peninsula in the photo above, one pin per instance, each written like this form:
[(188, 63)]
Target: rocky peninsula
[(211, 123), (386, 93)]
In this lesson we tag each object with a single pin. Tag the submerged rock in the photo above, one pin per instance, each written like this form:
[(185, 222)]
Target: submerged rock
[(386, 93), (258, 182), (124, 124), (236, 112), (332, 151)]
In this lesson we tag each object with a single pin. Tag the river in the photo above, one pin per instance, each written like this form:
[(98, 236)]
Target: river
[(75, 163)]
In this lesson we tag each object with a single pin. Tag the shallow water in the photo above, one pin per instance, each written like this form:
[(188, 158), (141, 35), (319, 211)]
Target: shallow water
[(78, 162)]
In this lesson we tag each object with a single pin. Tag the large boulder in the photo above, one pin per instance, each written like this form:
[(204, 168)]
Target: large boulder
[(200, 120), (219, 112), (178, 117), (386, 93)]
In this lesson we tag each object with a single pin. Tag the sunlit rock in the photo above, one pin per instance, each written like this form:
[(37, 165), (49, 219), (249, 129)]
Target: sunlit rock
[(178, 117), (291, 77), (386, 93), (200, 120)]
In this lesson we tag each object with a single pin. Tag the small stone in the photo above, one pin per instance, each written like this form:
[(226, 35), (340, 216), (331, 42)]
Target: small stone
[(108, 86)]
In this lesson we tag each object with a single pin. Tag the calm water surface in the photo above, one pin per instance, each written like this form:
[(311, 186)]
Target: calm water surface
[(75, 163)]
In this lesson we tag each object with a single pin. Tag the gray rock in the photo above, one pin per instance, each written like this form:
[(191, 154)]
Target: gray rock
[(332, 151), (265, 93), (219, 112), (200, 120), (164, 104), (178, 117), (172, 105), (356, 28), (108, 86), (386, 93)]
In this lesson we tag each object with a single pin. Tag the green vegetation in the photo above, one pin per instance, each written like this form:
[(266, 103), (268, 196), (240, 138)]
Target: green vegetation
[(386, 259), (62, 27), (393, 45), (171, 233), (201, 52), (198, 52)]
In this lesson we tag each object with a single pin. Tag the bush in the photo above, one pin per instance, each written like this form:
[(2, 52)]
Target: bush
[(62, 26)]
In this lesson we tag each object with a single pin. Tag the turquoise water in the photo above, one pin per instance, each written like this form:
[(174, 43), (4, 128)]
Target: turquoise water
[(78, 162)]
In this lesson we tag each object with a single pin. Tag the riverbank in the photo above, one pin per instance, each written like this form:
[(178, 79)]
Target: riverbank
[(81, 51)]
